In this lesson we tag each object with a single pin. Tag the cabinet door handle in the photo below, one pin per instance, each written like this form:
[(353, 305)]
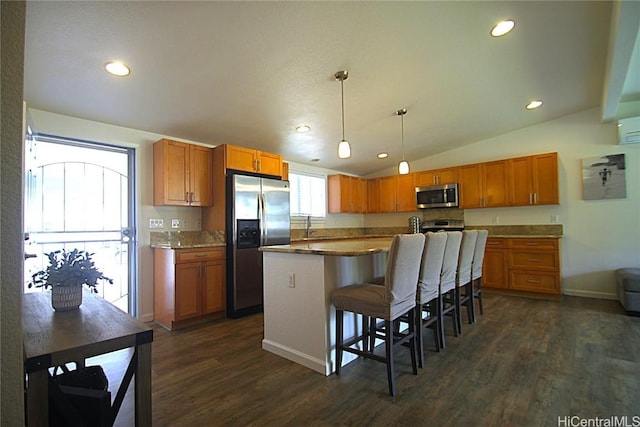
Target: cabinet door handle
[(533, 260), (200, 255), (535, 198), (532, 244), (186, 196), (533, 281)]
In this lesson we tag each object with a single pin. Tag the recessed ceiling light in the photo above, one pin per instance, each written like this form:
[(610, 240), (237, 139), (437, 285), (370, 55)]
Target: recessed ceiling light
[(303, 129), (534, 104), (383, 155), (117, 68), (502, 28)]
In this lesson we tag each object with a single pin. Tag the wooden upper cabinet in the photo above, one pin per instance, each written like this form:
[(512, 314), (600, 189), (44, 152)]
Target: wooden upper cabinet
[(181, 174), (373, 195), (240, 158), (469, 186), (346, 194), (387, 187), (545, 179), (285, 171), (533, 180), (269, 163), (249, 160), (483, 185), (200, 163), (494, 184), (406, 193), (397, 193), (435, 177)]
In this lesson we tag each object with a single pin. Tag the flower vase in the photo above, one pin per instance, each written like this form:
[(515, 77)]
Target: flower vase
[(65, 298)]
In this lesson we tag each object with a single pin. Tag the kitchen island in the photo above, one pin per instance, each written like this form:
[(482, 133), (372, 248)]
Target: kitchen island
[(299, 319)]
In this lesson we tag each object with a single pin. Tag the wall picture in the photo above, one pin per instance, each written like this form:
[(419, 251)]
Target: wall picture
[(604, 177)]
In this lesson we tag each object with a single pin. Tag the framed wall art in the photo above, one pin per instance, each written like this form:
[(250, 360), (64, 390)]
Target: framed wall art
[(604, 177)]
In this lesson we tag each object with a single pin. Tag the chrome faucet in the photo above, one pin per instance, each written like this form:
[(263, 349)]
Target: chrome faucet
[(308, 224)]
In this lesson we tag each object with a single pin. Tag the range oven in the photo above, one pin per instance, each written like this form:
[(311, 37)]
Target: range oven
[(442, 225)]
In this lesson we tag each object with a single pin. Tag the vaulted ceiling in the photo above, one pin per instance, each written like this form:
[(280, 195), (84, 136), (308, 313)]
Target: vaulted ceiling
[(248, 73)]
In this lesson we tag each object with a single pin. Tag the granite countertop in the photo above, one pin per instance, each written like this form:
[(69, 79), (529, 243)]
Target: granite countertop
[(187, 239), (533, 231), (351, 247), (180, 245)]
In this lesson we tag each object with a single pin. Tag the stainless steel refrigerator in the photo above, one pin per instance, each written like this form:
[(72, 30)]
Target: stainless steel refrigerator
[(257, 215)]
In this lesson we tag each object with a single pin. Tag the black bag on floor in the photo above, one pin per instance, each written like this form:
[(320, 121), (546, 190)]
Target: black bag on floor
[(80, 398)]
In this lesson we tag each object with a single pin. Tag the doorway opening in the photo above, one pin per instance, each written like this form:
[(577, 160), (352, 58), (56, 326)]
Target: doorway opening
[(79, 194)]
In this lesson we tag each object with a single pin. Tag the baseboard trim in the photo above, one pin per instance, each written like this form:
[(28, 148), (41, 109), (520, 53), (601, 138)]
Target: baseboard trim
[(590, 294), (295, 356), (146, 318)]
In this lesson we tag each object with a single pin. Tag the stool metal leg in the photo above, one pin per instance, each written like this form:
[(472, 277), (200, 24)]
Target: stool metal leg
[(418, 334), (339, 334), (412, 340), (388, 330)]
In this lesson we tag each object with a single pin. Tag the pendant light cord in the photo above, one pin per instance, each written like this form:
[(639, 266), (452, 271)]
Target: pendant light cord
[(402, 124), (342, 92)]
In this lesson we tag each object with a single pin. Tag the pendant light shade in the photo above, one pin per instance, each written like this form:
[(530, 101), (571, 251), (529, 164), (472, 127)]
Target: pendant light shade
[(403, 166), (344, 148)]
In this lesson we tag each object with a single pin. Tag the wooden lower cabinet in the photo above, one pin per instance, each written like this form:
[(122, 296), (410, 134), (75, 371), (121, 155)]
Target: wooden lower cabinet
[(531, 265), (494, 267), (188, 284)]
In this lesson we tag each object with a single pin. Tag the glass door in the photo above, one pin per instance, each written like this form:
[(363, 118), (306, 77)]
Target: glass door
[(79, 195)]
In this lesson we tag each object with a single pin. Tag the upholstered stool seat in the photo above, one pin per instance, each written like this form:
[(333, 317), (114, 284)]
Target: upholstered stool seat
[(370, 299), (397, 298), (628, 280)]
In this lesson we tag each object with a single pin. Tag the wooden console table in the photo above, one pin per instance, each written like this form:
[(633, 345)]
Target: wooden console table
[(54, 338)]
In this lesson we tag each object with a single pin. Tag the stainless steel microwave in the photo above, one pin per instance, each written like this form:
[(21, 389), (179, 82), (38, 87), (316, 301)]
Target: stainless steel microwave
[(437, 196)]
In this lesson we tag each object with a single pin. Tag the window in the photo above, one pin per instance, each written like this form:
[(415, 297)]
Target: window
[(308, 194)]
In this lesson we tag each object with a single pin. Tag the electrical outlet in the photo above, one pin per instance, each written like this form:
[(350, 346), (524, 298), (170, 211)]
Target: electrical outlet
[(156, 223), (175, 223), (495, 220), (292, 280), (555, 219)]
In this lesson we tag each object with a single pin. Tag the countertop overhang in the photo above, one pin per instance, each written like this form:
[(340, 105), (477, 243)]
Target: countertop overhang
[(351, 247)]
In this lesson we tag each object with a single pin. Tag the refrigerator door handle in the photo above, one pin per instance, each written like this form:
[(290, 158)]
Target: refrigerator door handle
[(263, 220)]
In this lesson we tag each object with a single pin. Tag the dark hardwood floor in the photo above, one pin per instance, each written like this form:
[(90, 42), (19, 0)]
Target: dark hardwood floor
[(526, 362)]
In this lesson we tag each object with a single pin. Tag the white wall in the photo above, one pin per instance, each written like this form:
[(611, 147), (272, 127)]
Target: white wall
[(599, 236)]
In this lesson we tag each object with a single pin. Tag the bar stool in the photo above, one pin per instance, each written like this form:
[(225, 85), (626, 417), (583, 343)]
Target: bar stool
[(476, 271), (389, 302), (463, 277), (448, 282), (428, 297)]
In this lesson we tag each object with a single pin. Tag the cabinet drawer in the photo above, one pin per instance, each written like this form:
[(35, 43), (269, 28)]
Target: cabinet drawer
[(535, 281), (493, 242), (195, 255), (543, 260), (549, 244)]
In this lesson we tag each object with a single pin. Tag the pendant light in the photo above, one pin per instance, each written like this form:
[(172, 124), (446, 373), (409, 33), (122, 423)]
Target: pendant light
[(344, 149), (403, 166)]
